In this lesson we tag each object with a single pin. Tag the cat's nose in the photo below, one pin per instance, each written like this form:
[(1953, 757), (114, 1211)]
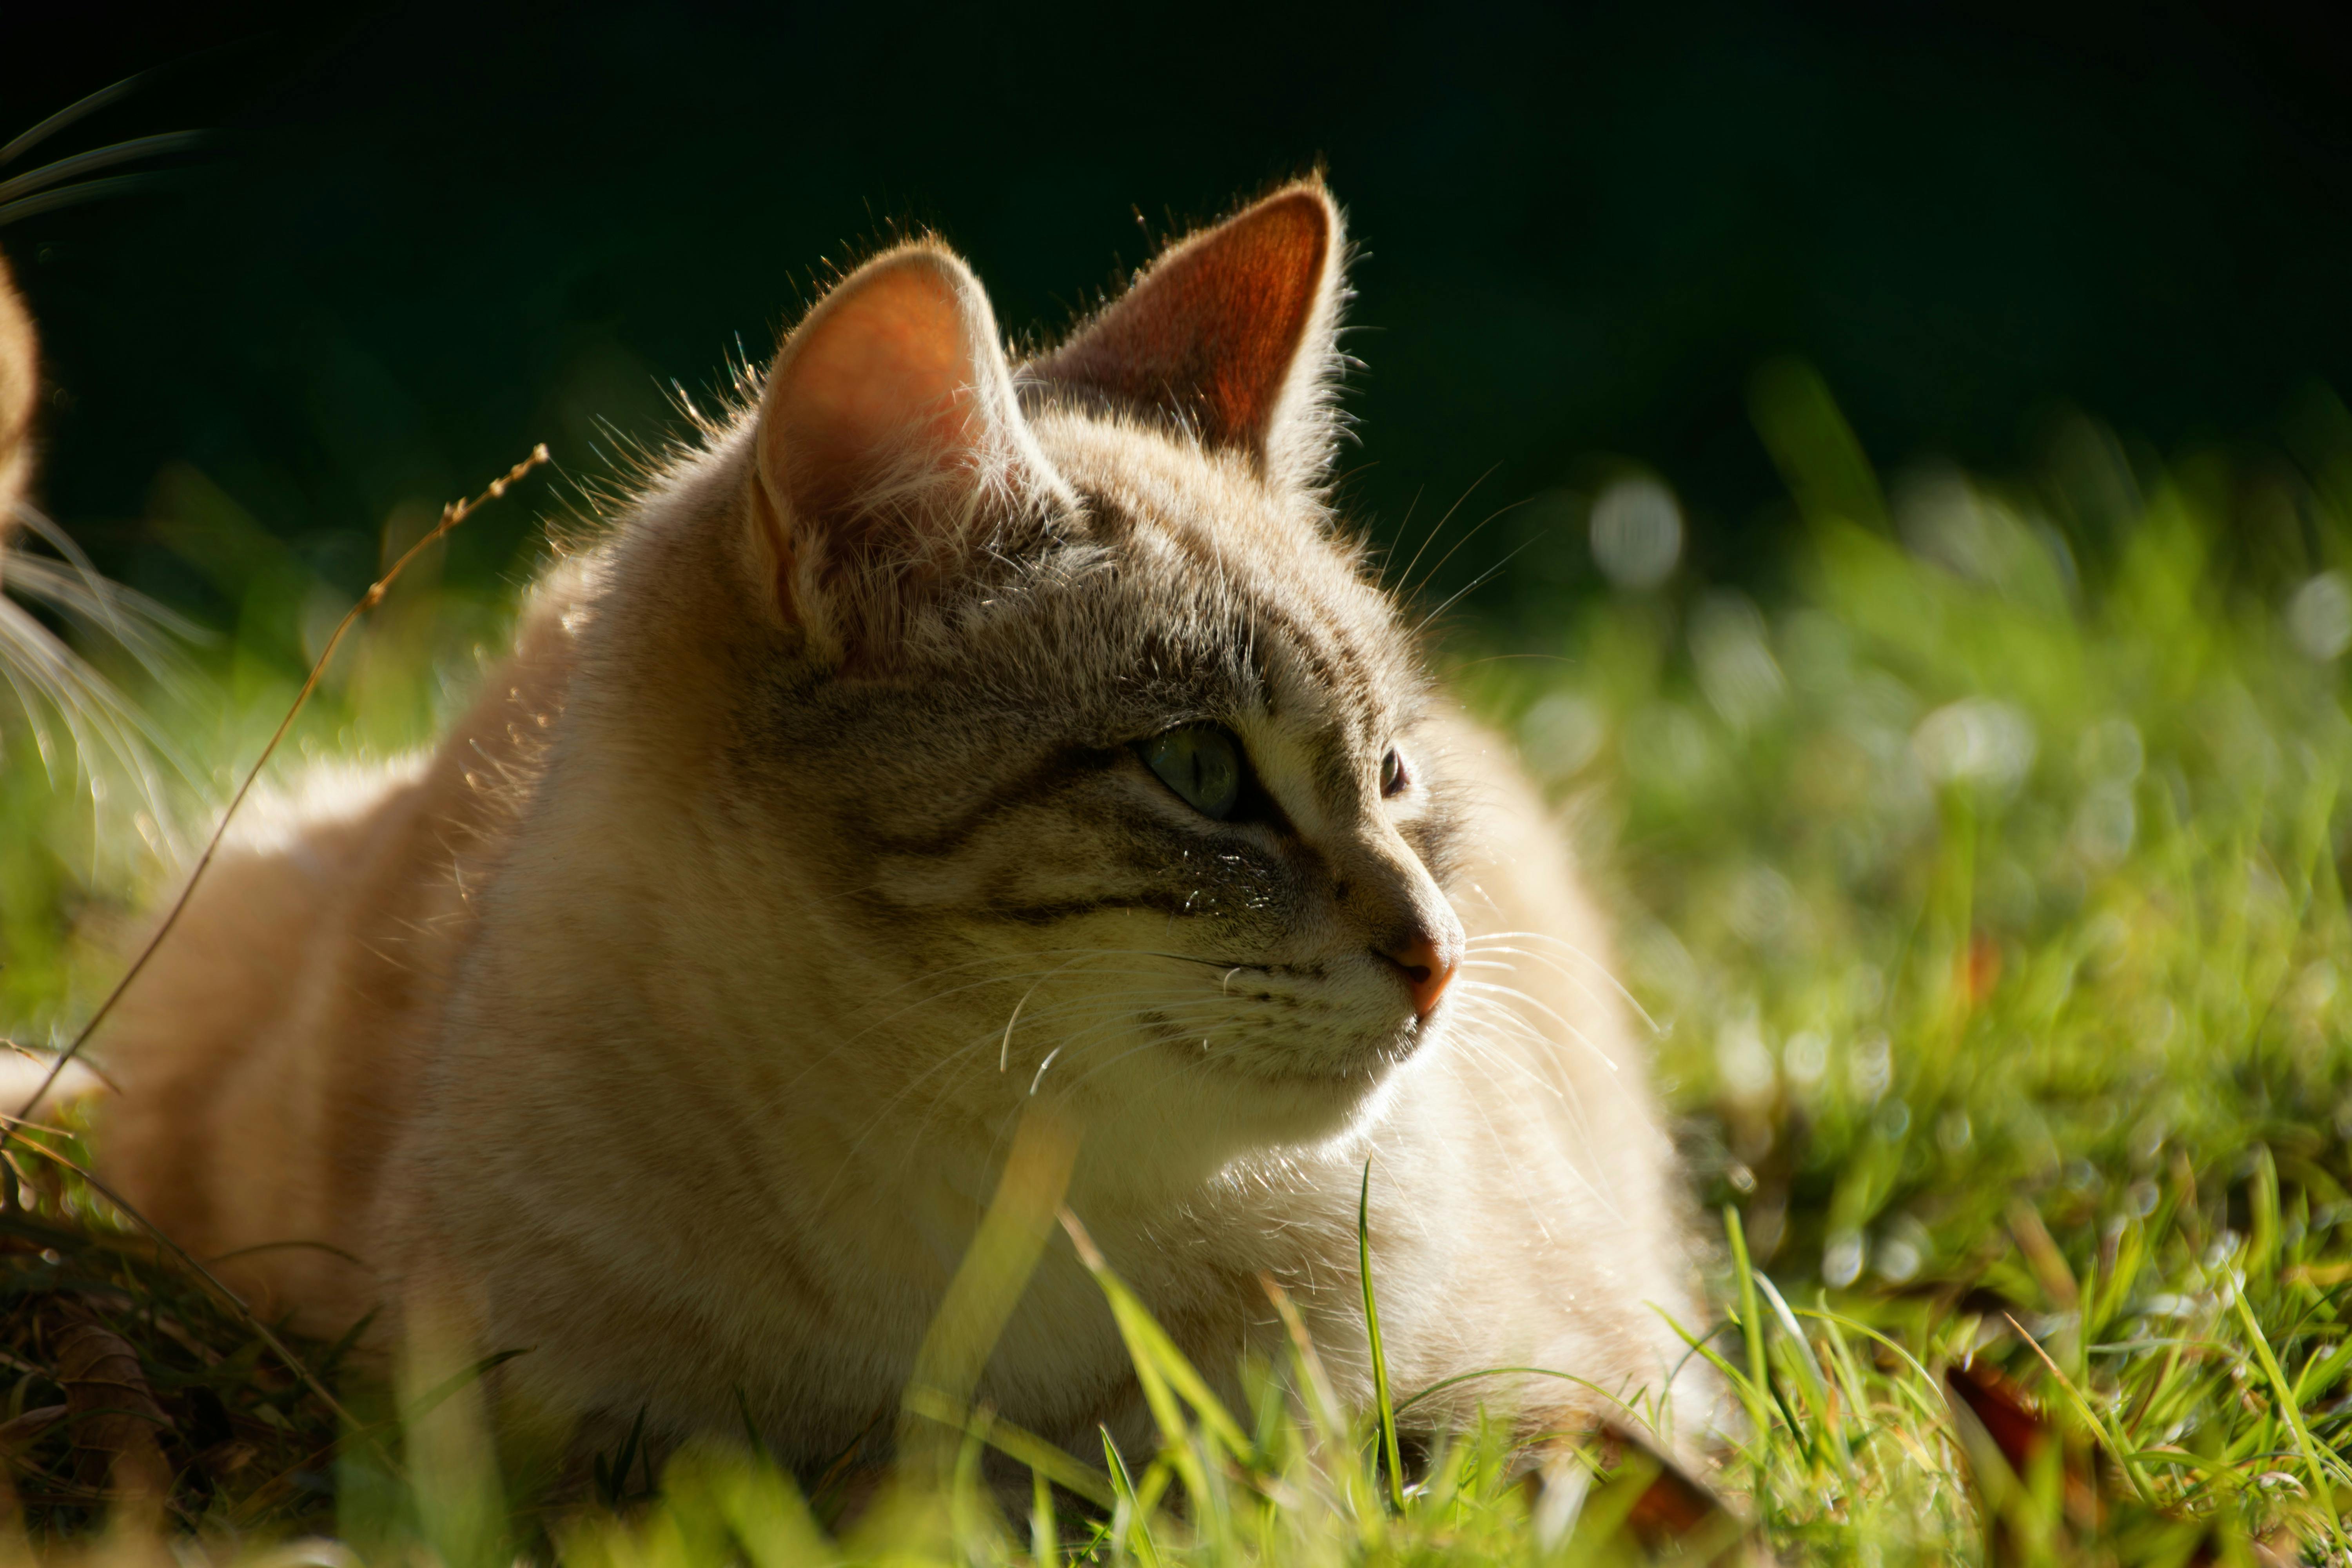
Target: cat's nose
[(1426, 968)]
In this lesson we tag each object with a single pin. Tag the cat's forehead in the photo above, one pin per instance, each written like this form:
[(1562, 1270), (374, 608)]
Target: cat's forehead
[(1241, 565)]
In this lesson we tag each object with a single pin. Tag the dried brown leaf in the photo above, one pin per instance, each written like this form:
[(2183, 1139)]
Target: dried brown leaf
[(116, 1421)]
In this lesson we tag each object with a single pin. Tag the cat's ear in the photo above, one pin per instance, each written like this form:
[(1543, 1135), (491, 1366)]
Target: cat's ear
[(1230, 334), (890, 447)]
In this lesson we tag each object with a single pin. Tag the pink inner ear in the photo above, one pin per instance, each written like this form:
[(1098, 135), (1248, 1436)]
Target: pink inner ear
[(881, 383), (1214, 331)]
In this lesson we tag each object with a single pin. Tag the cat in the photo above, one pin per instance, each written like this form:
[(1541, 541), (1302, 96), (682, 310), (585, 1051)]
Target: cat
[(939, 738), (82, 726)]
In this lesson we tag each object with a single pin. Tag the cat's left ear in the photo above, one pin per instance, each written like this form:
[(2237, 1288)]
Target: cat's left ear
[(1229, 336)]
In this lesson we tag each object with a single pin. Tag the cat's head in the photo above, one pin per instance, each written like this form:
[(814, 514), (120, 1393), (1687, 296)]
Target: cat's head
[(1120, 765)]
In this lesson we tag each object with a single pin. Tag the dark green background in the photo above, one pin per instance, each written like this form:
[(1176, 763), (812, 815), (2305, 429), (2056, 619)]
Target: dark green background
[(428, 239)]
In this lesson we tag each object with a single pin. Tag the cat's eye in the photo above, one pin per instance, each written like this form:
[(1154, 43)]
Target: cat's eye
[(1394, 776), (1203, 763)]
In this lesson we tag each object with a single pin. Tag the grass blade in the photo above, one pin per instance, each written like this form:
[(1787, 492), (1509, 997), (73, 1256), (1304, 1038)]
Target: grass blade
[(1380, 1399), (2323, 1486)]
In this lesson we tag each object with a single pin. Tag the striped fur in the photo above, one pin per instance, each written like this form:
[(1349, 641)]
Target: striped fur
[(672, 1018)]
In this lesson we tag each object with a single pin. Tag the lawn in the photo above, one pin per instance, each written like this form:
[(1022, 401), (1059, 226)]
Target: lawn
[(1982, 877)]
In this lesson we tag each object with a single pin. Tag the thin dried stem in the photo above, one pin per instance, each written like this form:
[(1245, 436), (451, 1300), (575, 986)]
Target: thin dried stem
[(452, 515)]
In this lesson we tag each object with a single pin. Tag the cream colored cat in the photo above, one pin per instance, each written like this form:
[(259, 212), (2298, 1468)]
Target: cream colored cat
[(942, 737)]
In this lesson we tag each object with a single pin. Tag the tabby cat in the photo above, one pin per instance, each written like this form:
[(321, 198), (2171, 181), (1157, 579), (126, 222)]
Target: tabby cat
[(941, 739)]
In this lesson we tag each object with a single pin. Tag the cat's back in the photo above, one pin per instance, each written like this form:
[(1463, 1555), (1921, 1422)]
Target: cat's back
[(266, 1059)]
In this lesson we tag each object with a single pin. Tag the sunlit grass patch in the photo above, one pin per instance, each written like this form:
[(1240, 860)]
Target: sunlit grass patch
[(1997, 928), (1987, 888)]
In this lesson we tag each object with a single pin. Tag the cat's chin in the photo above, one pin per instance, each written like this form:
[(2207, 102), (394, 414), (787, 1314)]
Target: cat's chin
[(1272, 1098), (1172, 1128), (1293, 1112)]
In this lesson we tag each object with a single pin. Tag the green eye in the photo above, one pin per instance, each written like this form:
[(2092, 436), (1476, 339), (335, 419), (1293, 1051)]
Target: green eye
[(1203, 763)]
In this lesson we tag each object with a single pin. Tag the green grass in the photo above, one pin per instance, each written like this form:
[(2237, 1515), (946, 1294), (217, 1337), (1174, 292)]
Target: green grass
[(1984, 882)]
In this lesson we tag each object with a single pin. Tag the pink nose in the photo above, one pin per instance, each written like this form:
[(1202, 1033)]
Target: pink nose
[(1426, 972)]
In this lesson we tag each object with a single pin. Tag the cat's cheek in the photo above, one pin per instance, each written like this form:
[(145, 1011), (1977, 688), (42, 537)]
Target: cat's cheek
[(925, 882), (1048, 888)]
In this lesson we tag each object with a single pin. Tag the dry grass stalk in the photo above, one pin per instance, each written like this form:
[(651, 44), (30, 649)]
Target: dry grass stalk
[(452, 515)]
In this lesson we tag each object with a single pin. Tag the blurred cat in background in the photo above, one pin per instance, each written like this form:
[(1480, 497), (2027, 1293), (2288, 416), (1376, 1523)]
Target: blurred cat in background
[(19, 384), (83, 727)]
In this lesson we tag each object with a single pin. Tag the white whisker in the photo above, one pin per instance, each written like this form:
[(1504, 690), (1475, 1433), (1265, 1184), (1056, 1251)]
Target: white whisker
[(1582, 1038), (1626, 996), (1581, 988), (1041, 1070)]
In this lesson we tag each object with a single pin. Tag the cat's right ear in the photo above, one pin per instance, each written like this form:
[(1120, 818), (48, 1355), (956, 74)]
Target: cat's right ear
[(890, 448)]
